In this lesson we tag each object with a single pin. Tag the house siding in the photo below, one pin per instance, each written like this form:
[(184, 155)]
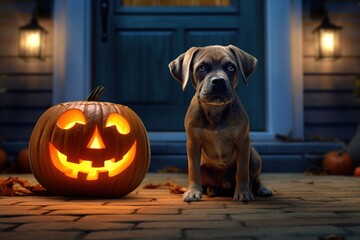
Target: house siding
[(330, 107), (28, 85)]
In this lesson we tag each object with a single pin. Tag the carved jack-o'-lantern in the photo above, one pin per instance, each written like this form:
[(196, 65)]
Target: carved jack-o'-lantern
[(89, 148)]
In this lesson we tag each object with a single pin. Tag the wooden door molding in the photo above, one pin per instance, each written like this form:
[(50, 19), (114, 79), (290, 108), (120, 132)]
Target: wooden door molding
[(283, 63), (72, 50)]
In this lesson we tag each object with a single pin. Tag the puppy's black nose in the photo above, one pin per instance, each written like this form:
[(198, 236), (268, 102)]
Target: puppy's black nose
[(218, 82)]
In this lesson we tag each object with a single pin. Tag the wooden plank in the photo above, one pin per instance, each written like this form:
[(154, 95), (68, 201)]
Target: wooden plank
[(333, 6), (339, 18), (342, 65), (16, 132), (25, 99), (349, 48), (12, 48), (27, 82), (20, 115), (11, 31), (332, 115), (7, 18), (24, 6), (336, 17), (349, 32), (330, 99), (17, 65), (329, 82)]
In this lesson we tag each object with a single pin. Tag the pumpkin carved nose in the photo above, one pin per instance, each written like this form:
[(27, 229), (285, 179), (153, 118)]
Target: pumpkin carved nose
[(96, 141)]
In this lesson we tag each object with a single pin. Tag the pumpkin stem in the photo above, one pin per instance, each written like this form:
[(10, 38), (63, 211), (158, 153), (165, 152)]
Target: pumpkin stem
[(96, 94)]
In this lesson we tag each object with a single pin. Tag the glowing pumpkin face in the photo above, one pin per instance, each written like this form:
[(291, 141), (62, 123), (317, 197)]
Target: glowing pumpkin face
[(89, 148), (83, 162)]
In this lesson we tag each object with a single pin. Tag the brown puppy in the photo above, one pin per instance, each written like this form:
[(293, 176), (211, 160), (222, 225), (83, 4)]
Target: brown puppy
[(220, 155)]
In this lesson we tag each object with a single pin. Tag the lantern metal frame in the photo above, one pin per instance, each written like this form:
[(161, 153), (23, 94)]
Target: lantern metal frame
[(32, 40), (328, 39)]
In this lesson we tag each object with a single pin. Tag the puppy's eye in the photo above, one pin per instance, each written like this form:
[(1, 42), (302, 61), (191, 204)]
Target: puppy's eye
[(201, 68), (231, 67)]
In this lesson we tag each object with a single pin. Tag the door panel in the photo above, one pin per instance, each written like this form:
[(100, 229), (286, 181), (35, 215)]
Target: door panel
[(149, 67), (173, 3), (142, 57), (133, 63), (210, 37)]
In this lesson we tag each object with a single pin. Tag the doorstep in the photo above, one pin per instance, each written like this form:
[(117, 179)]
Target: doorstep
[(278, 157)]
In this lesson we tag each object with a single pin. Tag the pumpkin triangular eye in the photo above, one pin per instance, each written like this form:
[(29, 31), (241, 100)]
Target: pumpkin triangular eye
[(69, 118), (122, 125)]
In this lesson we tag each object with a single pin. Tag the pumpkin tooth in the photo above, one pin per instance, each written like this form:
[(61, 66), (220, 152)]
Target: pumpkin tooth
[(71, 169)]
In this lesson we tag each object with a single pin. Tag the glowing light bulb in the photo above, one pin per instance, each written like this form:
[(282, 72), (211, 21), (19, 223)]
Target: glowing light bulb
[(327, 42), (33, 40)]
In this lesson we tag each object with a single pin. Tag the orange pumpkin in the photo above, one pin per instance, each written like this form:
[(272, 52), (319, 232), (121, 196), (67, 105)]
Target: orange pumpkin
[(89, 148), (357, 172), (22, 161), (338, 163), (3, 160)]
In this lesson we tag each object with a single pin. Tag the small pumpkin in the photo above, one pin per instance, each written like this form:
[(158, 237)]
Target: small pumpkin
[(357, 172), (338, 163), (22, 161), (89, 148), (3, 160)]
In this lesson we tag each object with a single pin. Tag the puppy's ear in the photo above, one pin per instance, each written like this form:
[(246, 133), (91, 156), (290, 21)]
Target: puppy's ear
[(246, 62), (180, 67)]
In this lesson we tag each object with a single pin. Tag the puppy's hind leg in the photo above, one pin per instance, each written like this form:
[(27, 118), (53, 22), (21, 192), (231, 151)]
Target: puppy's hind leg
[(255, 169), (259, 189), (211, 191), (209, 181)]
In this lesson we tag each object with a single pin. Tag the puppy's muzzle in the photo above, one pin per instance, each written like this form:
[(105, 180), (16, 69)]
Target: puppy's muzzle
[(218, 83), (216, 91)]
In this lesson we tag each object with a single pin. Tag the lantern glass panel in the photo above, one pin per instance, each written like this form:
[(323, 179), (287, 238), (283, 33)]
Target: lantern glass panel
[(330, 43), (32, 43)]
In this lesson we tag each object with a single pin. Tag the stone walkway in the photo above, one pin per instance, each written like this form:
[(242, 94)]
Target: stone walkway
[(303, 207)]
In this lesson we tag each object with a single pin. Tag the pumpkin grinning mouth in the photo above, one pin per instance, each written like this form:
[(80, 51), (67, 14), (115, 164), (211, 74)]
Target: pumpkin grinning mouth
[(112, 166)]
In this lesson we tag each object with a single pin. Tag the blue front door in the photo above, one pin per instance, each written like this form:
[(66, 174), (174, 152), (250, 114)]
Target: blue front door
[(143, 36)]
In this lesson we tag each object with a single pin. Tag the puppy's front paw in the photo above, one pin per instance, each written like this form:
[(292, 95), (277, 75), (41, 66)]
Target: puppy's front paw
[(244, 196), (192, 195)]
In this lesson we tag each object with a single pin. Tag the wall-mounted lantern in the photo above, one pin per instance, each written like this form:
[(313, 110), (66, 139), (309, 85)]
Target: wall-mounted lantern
[(327, 39), (32, 40)]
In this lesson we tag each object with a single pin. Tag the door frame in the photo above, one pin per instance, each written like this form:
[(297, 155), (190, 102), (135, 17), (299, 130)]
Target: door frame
[(283, 68)]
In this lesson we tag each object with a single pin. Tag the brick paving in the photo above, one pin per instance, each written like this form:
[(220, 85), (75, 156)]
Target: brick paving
[(303, 207)]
